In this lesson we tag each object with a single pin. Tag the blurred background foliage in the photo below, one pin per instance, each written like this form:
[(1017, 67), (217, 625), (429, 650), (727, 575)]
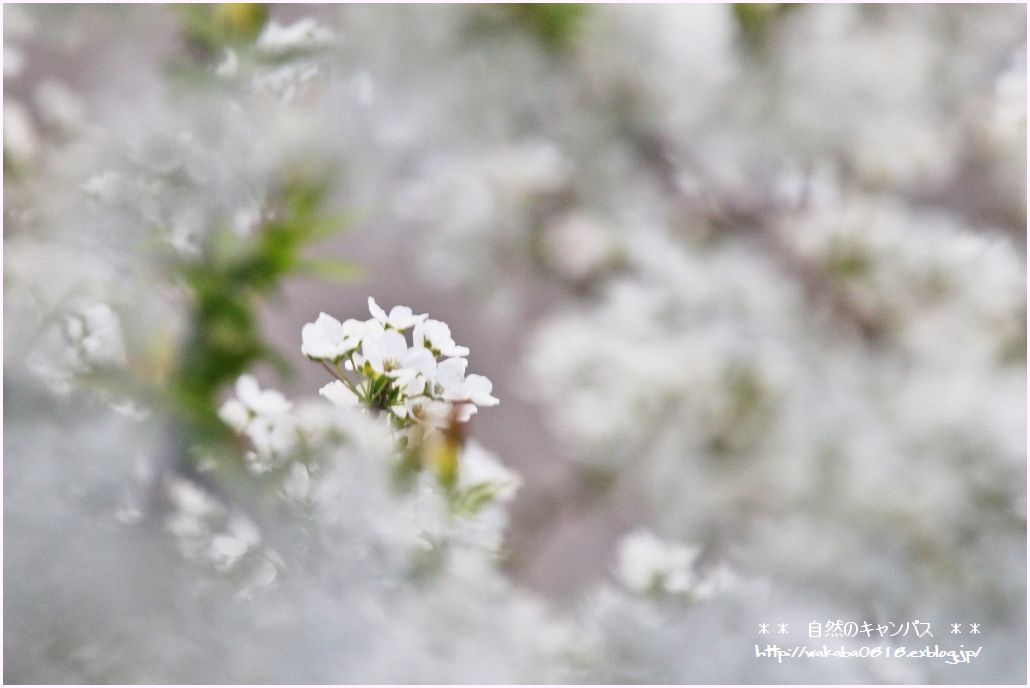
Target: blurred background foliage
[(229, 282), (234, 276), (208, 29)]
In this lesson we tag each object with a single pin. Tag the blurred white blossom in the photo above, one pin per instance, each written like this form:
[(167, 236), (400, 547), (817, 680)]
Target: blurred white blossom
[(647, 564)]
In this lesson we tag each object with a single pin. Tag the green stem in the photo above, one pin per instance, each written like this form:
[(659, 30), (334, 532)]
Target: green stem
[(341, 377), (331, 371)]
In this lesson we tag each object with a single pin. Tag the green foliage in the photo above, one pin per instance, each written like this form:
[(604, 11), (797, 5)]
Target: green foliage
[(755, 19), (555, 24), (848, 261), (227, 284), (470, 500), (209, 28)]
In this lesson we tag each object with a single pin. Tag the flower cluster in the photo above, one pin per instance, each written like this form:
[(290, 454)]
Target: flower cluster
[(263, 415), (648, 564), (284, 62), (87, 337), (653, 567), (422, 385)]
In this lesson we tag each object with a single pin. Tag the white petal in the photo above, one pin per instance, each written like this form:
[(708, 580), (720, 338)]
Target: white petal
[(401, 317), (328, 324), (371, 354), (261, 402), (270, 403), (298, 483), (353, 328), (393, 345), (645, 560), (463, 412), (414, 386), (247, 389), (420, 360), (323, 338), (377, 312), (451, 373), (234, 414), (352, 331), (314, 344), (455, 351), (435, 413), (339, 394), (481, 467), (479, 390), (311, 342), (438, 335), (437, 332)]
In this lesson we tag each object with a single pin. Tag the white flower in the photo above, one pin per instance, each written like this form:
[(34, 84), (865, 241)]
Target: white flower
[(339, 393), (234, 414), (262, 402), (427, 411), (320, 339), (383, 350), (450, 374), (264, 417), (225, 551), (21, 143), (454, 386), (477, 389), (304, 34), (227, 548), (436, 335), (481, 467), (329, 339), (246, 219), (191, 500), (274, 438), (418, 368), (400, 317), (316, 420), (648, 564), (106, 186), (578, 245), (97, 333), (420, 390), (59, 106), (297, 484), (463, 412), (230, 66), (434, 413)]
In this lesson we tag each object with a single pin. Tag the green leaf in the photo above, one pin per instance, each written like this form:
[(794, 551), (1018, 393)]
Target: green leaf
[(212, 27), (329, 225), (471, 500), (330, 269), (554, 24)]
